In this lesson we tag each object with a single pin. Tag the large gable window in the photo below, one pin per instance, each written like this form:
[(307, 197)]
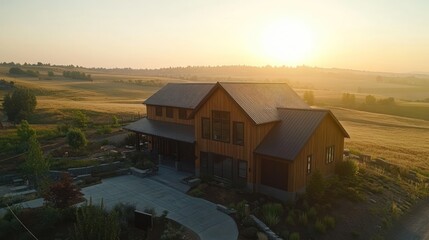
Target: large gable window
[(220, 126), (169, 112), (158, 111), (330, 154), (205, 128), (238, 133)]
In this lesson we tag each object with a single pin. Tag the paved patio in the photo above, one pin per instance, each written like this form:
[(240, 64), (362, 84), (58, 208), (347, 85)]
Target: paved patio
[(197, 214), (161, 192)]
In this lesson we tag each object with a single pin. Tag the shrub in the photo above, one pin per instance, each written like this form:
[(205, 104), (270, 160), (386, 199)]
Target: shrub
[(329, 222), (79, 119), (104, 129), (294, 236), (303, 220), (312, 213), (241, 209), (19, 105), (271, 213), (250, 232), (290, 220), (172, 232), (93, 222), (76, 138), (63, 193), (320, 226), (347, 169), (196, 192), (248, 222), (316, 187)]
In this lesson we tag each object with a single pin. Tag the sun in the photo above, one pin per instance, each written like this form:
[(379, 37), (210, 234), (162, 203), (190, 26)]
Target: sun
[(287, 43)]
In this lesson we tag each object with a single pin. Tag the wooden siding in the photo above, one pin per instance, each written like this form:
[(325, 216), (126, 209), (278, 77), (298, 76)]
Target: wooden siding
[(253, 134), (327, 134), (151, 114)]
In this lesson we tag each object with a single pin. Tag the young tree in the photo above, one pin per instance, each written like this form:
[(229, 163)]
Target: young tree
[(309, 97), (51, 74), (36, 167), (62, 194), (80, 120), (115, 121), (24, 132), (76, 138), (370, 100), (316, 187), (349, 99), (19, 105)]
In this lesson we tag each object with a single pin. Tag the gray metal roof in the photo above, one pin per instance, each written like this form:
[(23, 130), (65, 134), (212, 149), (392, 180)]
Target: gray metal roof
[(289, 136), (261, 100), (180, 132), (183, 95)]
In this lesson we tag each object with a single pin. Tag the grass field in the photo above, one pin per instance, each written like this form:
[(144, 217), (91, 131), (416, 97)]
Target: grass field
[(399, 140)]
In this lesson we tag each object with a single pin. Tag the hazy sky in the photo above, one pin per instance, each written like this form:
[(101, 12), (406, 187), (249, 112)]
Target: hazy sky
[(376, 35)]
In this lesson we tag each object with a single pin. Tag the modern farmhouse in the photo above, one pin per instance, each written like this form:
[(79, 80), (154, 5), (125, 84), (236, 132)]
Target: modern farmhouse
[(262, 136)]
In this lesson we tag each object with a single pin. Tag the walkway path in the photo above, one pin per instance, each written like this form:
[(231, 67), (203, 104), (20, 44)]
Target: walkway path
[(414, 225), (197, 214)]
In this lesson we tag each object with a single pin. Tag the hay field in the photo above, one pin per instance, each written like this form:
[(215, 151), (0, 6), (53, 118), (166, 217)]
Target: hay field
[(403, 141)]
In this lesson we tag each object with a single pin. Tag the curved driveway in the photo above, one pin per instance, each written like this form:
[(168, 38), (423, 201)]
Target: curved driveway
[(197, 214)]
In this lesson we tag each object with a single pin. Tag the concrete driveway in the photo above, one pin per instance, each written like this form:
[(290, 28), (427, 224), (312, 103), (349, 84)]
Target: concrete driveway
[(197, 214)]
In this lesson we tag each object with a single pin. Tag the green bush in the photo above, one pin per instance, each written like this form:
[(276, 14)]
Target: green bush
[(320, 226), (196, 192), (346, 169), (172, 232), (303, 219), (93, 222), (250, 233), (312, 213), (271, 213), (290, 220), (329, 222), (104, 129), (76, 138), (248, 222), (241, 209), (316, 187), (294, 236)]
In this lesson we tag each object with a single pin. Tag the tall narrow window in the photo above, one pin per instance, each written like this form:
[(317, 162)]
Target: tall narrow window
[(330, 154), (158, 111), (220, 126), (238, 133), (182, 113), (169, 112), (309, 162), (205, 128)]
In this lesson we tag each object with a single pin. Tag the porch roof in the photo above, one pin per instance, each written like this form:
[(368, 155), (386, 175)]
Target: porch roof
[(174, 131)]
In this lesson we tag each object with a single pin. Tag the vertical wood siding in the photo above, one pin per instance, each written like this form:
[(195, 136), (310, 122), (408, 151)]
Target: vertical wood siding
[(327, 134), (253, 134)]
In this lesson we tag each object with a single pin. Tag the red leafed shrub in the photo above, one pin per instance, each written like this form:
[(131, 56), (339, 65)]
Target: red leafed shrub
[(63, 193)]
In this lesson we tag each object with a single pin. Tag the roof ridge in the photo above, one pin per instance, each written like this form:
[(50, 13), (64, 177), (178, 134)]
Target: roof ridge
[(253, 83), (305, 109)]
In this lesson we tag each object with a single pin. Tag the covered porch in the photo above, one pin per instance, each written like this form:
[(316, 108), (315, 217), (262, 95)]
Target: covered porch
[(171, 144)]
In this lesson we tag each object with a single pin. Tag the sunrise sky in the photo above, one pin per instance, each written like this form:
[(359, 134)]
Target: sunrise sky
[(381, 35)]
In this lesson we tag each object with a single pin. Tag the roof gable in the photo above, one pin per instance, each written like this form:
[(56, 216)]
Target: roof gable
[(259, 101), (288, 137), (183, 95)]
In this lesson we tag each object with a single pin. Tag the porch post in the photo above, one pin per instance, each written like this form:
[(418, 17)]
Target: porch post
[(138, 141)]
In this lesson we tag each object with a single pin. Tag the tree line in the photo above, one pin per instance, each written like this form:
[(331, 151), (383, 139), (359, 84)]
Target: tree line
[(77, 75)]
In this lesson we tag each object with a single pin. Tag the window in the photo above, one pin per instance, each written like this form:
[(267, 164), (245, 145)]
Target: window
[(205, 128), (182, 113), (238, 133), (242, 169), (158, 111), (220, 126), (169, 112), (330, 154), (309, 160)]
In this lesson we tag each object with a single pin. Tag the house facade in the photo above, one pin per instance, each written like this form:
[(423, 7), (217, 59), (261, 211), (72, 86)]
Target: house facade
[(261, 136)]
